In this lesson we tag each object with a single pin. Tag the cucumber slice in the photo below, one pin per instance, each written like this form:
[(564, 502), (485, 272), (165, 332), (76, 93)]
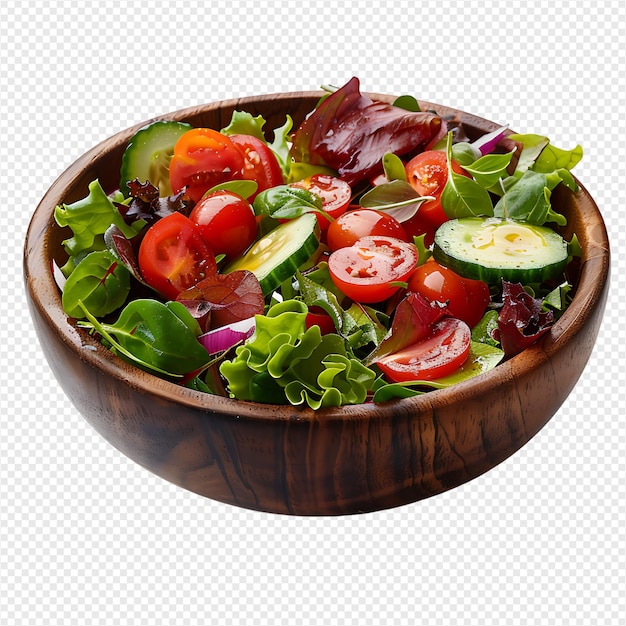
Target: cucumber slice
[(492, 249), (148, 155), (276, 256)]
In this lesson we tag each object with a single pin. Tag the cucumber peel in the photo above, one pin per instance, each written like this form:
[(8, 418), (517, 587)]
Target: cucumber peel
[(275, 257), (495, 249), (148, 154)]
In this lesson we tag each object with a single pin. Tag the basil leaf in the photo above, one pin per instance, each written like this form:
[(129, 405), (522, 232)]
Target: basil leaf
[(100, 281), (243, 188), (397, 198), (463, 196), (464, 153), (489, 169), (408, 103), (393, 166), (528, 200), (286, 202)]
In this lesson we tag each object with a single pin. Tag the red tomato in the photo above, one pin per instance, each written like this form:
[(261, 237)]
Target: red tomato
[(427, 173), (174, 256), (318, 317), (203, 158), (334, 192), (348, 228), (439, 355), (364, 271), (260, 163), (467, 299), (226, 221)]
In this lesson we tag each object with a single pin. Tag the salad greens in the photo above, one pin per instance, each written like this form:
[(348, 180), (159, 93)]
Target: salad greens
[(274, 347)]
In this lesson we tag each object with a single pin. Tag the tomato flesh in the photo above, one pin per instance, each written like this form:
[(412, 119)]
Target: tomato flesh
[(365, 271), (334, 192), (259, 163), (441, 354), (174, 256), (354, 224), (427, 173), (203, 158), (226, 221), (466, 299)]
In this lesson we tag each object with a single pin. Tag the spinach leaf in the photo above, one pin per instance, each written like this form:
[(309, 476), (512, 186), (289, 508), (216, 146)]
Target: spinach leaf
[(154, 336), (100, 281)]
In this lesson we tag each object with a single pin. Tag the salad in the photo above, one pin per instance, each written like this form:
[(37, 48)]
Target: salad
[(372, 252)]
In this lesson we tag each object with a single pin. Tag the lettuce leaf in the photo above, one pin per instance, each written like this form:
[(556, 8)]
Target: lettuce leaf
[(351, 133)]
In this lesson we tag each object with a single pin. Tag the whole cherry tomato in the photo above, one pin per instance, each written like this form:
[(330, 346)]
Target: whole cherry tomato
[(356, 223), (466, 299), (226, 221)]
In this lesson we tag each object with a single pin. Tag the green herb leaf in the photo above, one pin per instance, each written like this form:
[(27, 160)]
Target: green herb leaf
[(100, 281), (408, 103), (393, 167), (154, 336), (463, 196), (243, 188), (285, 202), (489, 169), (397, 198), (528, 200)]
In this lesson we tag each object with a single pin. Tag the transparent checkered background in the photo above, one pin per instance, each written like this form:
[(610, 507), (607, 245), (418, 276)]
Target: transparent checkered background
[(89, 537)]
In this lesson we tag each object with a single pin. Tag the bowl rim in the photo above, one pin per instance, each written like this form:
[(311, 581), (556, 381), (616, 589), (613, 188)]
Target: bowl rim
[(594, 273)]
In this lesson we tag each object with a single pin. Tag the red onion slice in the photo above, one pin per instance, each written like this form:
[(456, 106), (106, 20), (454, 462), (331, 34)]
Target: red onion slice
[(225, 337)]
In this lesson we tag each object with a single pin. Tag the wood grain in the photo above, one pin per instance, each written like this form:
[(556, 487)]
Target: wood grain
[(296, 461)]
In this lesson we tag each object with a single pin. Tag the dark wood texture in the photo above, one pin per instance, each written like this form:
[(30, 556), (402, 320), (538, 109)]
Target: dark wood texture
[(296, 461)]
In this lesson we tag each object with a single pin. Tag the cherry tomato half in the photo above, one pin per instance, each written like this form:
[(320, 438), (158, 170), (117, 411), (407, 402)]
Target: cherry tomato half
[(467, 299), (203, 158), (226, 221), (438, 355), (260, 163), (427, 173), (348, 228), (364, 272), (174, 256), (334, 192)]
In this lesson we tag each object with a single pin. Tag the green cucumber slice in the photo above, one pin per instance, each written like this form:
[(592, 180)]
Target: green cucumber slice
[(494, 249), (148, 155), (276, 256)]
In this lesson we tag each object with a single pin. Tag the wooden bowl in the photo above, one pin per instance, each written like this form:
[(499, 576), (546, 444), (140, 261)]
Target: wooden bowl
[(296, 461)]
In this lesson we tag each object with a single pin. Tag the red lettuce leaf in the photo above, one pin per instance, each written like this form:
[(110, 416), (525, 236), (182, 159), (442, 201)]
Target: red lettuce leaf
[(223, 299), (412, 322), (351, 133), (521, 321), (146, 204)]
